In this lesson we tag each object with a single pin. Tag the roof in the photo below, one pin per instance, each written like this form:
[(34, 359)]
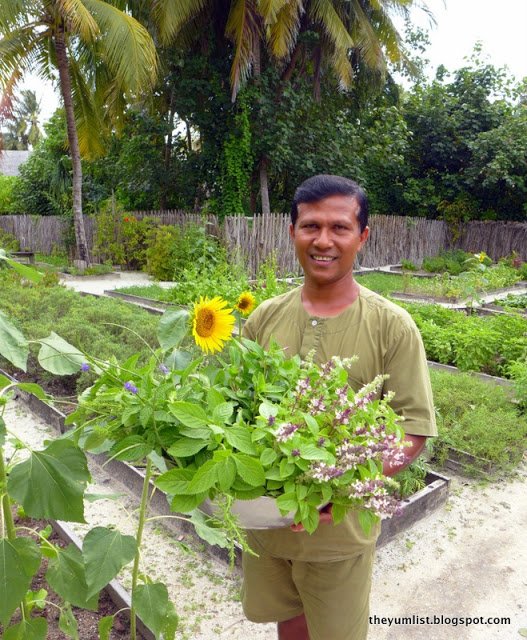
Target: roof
[(11, 160)]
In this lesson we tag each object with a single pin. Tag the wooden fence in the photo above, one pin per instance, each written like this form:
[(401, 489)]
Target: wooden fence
[(253, 240)]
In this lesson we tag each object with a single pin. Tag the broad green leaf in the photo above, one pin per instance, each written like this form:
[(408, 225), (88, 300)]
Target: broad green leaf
[(29, 273), (249, 469), (35, 389), (214, 398), (222, 412), (240, 438), (189, 414), (184, 448), (226, 474), (58, 356), (287, 502), (13, 345), (179, 360), (3, 432), (171, 622), (211, 534), (151, 604), (32, 629), (172, 328), (205, 477), (197, 433), (266, 410), (19, 561), (268, 456), (67, 622), (175, 481), (4, 380), (36, 599), (366, 520), (65, 575), (312, 452), (311, 519), (51, 482), (311, 423), (130, 448), (105, 627), (338, 513), (105, 553), (187, 503)]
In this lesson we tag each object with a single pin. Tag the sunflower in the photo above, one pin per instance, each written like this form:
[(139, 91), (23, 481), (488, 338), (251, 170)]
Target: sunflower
[(246, 303), (212, 324)]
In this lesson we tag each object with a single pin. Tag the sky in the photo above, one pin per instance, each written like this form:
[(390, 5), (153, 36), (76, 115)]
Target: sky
[(459, 25)]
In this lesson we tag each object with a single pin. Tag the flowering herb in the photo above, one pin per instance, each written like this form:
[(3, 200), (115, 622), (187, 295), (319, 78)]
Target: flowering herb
[(130, 386)]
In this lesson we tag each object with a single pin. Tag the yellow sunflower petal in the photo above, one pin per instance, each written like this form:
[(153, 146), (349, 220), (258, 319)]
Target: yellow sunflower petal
[(212, 324), (246, 303)]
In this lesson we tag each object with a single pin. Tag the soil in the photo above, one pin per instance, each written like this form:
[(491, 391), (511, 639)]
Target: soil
[(87, 621)]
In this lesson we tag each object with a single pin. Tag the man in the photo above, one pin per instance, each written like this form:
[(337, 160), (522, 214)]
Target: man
[(316, 587)]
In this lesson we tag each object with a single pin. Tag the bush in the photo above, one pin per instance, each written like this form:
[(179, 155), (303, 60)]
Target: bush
[(477, 417), (7, 198), (453, 262), (8, 242)]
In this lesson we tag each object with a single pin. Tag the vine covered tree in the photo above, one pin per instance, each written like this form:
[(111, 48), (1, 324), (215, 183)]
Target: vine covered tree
[(101, 55)]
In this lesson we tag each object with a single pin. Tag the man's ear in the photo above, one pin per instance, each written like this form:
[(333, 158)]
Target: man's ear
[(364, 236), (292, 231)]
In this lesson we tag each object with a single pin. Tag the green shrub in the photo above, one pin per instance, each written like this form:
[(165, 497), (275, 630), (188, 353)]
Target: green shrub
[(518, 372), (8, 242), (408, 265), (453, 262), (477, 417), (7, 198)]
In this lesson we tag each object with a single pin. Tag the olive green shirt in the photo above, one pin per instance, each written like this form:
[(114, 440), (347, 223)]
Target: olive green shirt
[(386, 341)]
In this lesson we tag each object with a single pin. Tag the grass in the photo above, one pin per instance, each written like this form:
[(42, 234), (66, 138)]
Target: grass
[(479, 418)]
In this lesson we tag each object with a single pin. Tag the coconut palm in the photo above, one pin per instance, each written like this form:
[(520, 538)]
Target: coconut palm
[(101, 55), (346, 31)]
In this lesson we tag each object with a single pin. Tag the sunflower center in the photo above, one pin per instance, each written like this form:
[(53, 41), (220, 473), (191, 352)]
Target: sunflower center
[(205, 323), (243, 304)]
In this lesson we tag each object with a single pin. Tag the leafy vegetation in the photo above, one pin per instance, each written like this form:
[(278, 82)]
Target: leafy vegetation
[(478, 418)]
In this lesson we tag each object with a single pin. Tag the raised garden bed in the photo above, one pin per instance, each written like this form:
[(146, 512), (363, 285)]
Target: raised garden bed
[(457, 301)]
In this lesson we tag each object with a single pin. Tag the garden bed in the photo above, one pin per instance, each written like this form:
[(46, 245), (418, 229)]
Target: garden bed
[(459, 301)]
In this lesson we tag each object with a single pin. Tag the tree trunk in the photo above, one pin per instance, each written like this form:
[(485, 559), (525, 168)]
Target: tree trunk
[(73, 141), (264, 186)]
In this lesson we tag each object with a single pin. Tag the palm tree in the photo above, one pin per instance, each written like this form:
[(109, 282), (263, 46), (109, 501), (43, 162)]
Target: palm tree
[(346, 30), (22, 126), (101, 55)]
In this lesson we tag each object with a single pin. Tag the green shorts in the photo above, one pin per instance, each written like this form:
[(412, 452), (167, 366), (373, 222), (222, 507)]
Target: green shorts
[(334, 596)]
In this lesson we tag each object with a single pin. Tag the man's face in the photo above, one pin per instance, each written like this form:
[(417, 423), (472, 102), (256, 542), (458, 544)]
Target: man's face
[(327, 238)]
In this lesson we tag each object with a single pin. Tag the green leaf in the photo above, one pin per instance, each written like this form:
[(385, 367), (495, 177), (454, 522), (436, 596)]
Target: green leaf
[(130, 448), (171, 622), (67, 622), (311, 519), (187, 503), (268, 456), (287, 502), (51, 482), (222, 412), (205, 477), (105, 627), (184, 448), (29, 273), (13, 345), (19, 561), (311, 423), (226, 474), (189, 414), (65, 575), (58, 356), (151, 604), (312, 452), (35, 389), (175, 481), (206, 532), (172, 328), (240, 438), (105, 553), (249, 469), (32, 629), (179, 360), (214, 398), (266, 410), (3, 432), (366, 520), (338, 513), (4, 380)]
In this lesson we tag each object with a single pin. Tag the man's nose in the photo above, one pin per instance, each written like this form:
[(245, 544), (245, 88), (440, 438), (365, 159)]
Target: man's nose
[(323, 238)]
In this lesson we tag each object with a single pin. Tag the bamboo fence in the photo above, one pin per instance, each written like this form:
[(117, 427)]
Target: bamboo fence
[(254, 240)]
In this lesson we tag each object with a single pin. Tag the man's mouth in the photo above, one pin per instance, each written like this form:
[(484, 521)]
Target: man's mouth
[(323, 258)]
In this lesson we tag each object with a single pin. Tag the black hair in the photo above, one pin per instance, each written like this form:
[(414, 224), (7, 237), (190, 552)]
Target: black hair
[(324, 186)]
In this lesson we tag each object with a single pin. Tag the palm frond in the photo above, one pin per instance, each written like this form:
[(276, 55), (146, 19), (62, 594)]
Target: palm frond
[(243, 29), (366, 38), (16, 13), (78, 18), (282, 34), (269, 9), (17, 50), (129, 49), (170, 16), (324, 13)]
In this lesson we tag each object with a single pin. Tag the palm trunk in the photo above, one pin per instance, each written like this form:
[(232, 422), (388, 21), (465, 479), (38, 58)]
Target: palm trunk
[(73, 141), (264, 186)]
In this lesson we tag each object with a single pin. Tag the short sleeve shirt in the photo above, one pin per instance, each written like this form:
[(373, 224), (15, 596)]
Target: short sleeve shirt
[(386, 341)]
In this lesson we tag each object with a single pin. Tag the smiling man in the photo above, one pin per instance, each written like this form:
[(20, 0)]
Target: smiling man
[(316, 587)]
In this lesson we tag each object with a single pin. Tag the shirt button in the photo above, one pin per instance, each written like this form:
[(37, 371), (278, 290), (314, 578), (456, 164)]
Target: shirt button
[(314, 323)]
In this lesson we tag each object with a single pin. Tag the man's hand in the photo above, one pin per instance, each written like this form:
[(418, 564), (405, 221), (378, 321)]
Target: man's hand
[(326, 517), (417, 444)]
